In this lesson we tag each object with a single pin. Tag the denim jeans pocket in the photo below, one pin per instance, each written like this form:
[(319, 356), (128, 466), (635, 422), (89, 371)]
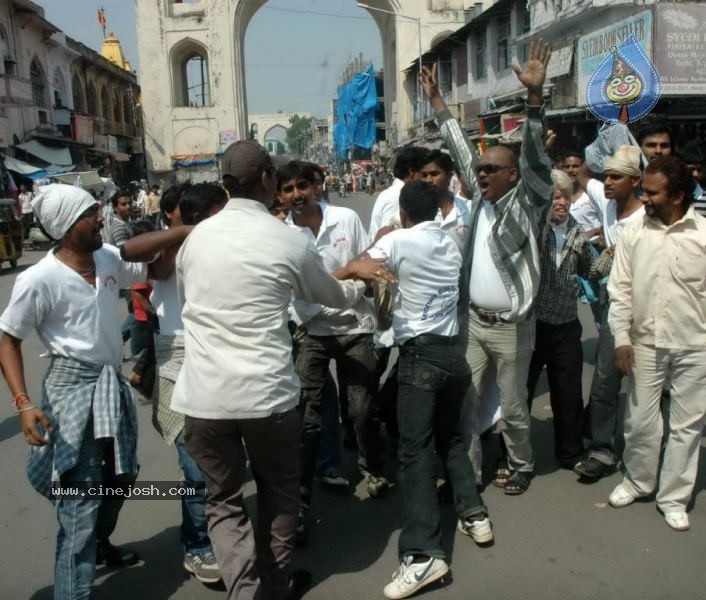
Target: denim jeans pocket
[(417, 372)]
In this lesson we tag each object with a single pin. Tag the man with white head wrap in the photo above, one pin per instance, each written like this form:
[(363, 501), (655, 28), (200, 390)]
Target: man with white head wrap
[(85, 432), (618, 205)]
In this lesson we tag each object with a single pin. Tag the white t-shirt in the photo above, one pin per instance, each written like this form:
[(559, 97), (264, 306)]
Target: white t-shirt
[(456, 223), (341, 238), (165, 299), (386, 208), (584, 211), (427, 264), (608, 211), (486, 287), (72, 318)]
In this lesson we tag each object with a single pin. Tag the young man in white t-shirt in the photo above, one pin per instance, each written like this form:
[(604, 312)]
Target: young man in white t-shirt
[(454, 213), (618, 205), (85, 433), (345, 336), (433, 378)]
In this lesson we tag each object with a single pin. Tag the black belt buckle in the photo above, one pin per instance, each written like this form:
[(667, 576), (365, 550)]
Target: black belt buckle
[(487, 316)]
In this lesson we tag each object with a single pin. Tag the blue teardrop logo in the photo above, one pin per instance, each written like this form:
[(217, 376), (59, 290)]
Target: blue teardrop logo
[(625, 86)]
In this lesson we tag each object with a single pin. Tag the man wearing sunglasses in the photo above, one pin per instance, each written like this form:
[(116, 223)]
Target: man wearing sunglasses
[(500, 275)]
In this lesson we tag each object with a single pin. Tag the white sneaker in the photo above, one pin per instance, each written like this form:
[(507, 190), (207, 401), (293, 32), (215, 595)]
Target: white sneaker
[(620, 497), (481, 530), (412, 576), (678, 521), (334, 479)]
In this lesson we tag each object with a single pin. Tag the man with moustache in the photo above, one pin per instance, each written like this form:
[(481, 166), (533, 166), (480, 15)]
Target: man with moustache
[(84, 432), (582, 208), (500, 275), (618, 204), (655, 140), (658, 318)]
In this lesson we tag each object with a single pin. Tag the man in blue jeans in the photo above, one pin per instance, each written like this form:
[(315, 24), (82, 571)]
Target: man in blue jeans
[(182, 204), (433, 378), (85, 433)]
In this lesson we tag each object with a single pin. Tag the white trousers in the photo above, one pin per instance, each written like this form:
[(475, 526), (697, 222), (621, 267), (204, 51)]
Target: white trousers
[(686, 369)]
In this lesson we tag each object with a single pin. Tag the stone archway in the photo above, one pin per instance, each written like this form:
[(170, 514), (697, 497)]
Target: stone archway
[(219, 26)]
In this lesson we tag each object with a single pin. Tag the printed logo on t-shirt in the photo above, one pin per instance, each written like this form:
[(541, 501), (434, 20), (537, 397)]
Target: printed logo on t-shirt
[(110, 282), (340, 241), (447, 297)]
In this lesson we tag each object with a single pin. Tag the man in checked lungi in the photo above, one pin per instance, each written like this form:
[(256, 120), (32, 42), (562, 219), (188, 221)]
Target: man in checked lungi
[(83, 433)]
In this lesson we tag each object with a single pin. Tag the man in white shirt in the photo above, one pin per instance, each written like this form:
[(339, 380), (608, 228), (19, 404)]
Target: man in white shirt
[(433, 378), (345, 336), (408, 166), (500, 277), (658, 316), (582, 208), (25, 198), (454, 213), (85, 433), (618, 204), (237, 272)]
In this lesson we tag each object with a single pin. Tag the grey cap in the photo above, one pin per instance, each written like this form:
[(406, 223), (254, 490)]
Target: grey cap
[(246, 161)]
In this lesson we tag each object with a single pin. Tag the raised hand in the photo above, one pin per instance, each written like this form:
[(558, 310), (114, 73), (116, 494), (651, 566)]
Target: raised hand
[(532, 76), (427, 78)]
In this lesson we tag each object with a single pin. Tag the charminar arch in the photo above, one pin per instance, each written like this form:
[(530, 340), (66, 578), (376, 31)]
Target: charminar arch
[(199, 46)]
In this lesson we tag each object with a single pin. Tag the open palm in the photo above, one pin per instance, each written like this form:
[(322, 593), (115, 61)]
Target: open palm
[(535, 71)]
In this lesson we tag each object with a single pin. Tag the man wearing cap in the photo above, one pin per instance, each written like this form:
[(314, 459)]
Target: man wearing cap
[(85, 432), (237, 272), (618, 205)]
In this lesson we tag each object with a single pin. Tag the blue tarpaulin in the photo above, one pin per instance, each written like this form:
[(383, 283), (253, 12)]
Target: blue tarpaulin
[(355, 113)]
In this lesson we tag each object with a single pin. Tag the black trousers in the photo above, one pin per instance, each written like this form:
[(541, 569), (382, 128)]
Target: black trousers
[(559, 348)]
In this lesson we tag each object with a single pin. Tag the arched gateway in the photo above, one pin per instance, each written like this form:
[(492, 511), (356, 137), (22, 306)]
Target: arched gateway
[(172, 32)]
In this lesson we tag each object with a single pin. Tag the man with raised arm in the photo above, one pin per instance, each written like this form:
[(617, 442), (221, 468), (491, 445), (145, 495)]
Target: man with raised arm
[(500, 273)]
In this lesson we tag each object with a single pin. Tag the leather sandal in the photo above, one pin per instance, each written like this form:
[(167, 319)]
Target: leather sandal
[(518, 483)]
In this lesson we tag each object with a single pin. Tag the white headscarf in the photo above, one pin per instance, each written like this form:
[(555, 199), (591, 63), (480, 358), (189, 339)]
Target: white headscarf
[(626, 160), (58, 206)]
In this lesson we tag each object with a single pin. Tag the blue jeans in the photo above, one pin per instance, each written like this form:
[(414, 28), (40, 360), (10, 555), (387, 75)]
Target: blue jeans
[(328, 454), (433, 379), (194, 524), (83, 520)]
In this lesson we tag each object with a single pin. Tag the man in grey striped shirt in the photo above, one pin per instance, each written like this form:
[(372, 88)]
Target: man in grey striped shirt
[(500, 276)]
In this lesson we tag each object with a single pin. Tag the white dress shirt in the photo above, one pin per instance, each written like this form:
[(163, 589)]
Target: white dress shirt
[(584, 211), (657, 284), (427, 264), (456, 223), (608, 211), (386, 208), (237, 272), (486, 287), (341, 238), (559, 239)]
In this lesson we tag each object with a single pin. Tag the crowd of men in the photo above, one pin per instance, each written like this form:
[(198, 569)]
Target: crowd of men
[(472, 267)]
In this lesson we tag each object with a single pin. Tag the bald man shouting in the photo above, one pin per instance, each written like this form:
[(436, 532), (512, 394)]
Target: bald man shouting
[(500, 274)]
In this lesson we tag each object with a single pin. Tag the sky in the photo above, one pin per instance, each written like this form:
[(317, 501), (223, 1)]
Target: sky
[(295, 50)]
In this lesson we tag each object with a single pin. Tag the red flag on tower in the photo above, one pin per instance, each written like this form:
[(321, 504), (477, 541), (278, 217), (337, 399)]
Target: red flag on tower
[(101, 19)]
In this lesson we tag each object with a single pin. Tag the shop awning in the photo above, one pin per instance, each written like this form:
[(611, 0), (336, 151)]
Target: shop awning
[(55, 156), (33, 172), (86, 179)]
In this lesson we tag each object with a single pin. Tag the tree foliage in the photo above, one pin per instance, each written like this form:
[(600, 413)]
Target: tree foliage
[(299, 134)]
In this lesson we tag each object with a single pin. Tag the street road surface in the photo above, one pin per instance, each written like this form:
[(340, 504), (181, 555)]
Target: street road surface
[(558, 541)]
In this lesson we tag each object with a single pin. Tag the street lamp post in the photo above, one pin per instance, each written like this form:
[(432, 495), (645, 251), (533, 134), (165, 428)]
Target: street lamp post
[(419, 30)]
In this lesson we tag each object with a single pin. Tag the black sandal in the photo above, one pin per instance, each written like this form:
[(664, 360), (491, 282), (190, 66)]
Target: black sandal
[(518, 483), (502, 474)]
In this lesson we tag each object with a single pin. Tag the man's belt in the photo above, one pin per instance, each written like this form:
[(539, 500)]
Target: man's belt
[(431, 339), (487, 316)]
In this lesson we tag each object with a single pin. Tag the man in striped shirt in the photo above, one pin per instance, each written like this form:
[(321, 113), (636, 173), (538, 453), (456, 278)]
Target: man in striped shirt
[(501, 271)]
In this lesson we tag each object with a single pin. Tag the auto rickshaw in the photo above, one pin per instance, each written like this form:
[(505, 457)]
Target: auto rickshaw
[(10, 232)]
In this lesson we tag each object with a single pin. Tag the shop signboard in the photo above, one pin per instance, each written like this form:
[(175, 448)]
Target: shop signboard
[(82, 129), (560, 61), (227, 137), (680, 48), (594, 47)]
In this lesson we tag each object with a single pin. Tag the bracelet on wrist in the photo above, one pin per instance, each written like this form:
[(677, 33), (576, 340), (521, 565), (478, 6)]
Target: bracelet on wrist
[(19, 400), (26, 408)]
